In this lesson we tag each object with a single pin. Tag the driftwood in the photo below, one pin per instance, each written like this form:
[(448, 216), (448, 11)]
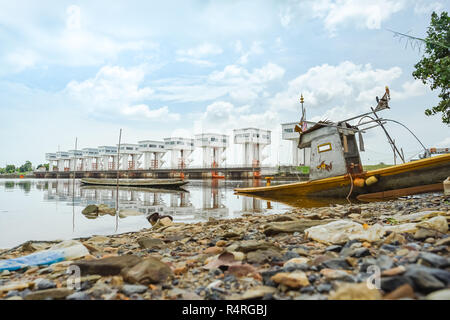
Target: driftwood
[(401, 192)]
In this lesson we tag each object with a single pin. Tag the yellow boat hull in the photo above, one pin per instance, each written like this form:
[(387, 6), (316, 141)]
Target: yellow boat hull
[(421, 172)]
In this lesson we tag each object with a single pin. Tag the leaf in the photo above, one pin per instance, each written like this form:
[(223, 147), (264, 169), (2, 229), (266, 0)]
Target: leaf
[(225, 259)]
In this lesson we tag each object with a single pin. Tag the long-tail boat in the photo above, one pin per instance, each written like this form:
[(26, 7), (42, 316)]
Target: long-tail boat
[(336, 169), (165, 183)]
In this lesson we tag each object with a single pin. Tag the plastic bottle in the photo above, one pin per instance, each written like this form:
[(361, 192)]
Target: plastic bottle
[(66, 250)]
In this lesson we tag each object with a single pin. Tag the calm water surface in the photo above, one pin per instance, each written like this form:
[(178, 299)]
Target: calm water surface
[(36, 209)]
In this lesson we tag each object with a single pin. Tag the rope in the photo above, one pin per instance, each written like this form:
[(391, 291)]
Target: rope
[(351, 189)]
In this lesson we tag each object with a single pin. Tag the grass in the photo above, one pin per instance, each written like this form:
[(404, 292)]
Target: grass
[(376, 166)]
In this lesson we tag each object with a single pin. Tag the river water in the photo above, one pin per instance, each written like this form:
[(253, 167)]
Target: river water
[(37, 209)]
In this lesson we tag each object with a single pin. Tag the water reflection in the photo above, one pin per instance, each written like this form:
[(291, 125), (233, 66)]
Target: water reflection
[(177, 203)]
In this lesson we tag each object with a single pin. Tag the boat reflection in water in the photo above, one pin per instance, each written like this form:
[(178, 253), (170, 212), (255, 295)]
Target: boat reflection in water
[(198, 201)]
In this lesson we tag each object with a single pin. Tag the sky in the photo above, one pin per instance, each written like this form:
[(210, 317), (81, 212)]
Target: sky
[(156, 69)]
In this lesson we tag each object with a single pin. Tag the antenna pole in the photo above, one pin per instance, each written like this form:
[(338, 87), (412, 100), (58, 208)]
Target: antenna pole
[(73, 185), (388, 136), (117, 181)]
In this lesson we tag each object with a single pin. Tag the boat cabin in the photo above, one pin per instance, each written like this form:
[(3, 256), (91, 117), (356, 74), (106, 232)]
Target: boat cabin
[(334, 150)]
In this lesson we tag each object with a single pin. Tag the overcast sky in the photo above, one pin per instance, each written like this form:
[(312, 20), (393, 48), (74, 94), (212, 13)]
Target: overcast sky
[(176, 68)]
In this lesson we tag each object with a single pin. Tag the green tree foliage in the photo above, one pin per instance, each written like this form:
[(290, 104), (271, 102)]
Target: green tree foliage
[(10, 168), (434, 68), (45, 165), (27, 167)]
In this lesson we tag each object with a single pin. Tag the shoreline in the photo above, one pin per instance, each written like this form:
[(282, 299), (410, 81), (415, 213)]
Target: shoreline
[(277, 256)]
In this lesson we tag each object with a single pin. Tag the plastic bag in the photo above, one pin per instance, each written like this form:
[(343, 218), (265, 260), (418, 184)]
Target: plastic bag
[(66, 250)]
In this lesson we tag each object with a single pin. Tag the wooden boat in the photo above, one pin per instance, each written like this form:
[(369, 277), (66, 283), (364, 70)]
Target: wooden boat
[(336, 169), (165, 183), (416, 173), (176, 190)]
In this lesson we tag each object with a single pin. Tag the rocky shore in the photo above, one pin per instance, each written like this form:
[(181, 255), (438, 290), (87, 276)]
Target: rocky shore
[(396, 249)]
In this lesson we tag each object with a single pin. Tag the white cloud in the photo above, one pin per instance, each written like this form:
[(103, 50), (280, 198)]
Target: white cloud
[(118, 90), (198, 62), (236, 81), (200, 51), (21, 59), (222, 116), (364, 13), (412, 88), (73, 21), (445, 143), (255, 49), (142, 110), (72, 40), (426, 7), (285, 16), (325, 87)]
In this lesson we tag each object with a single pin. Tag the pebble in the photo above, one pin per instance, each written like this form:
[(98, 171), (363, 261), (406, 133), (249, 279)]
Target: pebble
[(42, 284), (80, 295), (130, 289), (294, 279), (58, 293), (267, 257)]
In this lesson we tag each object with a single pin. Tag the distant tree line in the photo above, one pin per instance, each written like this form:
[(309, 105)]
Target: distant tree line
[(26, 167)]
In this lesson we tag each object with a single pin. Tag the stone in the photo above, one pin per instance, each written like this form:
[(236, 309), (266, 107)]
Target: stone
[(150, 243), (253, 245), (163, 222), (389, 284), (424, 282), (384, 262), (239, 256), (98, 239), (213, 250), (56, 293), (438, 223), (90, 209), (334, 248), (434, 260), (394, 237), (443, 241), (261, 256), (15, 286), (107, 266), (129, 213), (257, 292), (42, 284), (332, 274), (393, 272), (295, 280), (130, 289), (404, 291), (149, 270), (104, 209), (221, 243), (324, 287), (443, 294), (80, 295), (358, 291), (440, 274), (338, 263), (100, 288), (308, 289), (422, 233), (294, 261), (291, 226)]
